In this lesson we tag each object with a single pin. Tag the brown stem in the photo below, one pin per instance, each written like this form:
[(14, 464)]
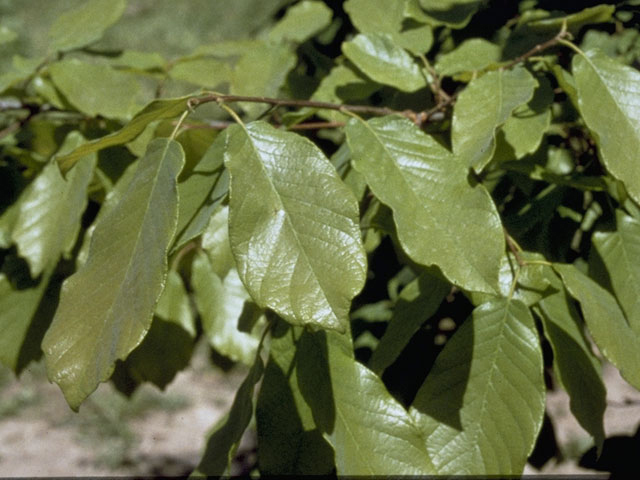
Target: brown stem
[(562, 34), (222, 124), (514, 249), (416, 117)]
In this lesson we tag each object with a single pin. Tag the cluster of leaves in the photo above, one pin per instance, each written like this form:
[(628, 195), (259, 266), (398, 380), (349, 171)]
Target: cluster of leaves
[(399, 274)]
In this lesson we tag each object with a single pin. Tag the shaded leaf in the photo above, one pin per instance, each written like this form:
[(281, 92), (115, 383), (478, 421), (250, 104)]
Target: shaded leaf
[(574, 363), (223, 441), (156, 110), (417, 302), (205, 72), (428, 191), (606, 322), (262, 71), (523, 131), (620, 251), (18, 304), (293, 227), (574, 21), (290, 441), (121, 281), (220, 303), (383, 61), (215, 242), (301, 21), (609, 94), (481, 407), (50, 210), (85, 24), (96, 89), (371, 433), (484, 105), (201, 191), (174, 305), (452, 13)]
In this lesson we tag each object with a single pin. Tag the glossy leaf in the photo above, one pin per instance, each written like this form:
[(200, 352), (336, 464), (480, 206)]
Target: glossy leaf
[(418, 301), (121, 281), (201, 191), (606, 322), (223, 441), (302, 21), (574, 363), (427, 189), (156, 110), (609, 94), (50, 210), (385, 62), (85, 24), (220, 303), (472, 54), (96, 89), (484, 105), (620, 252), (481, 407), (293, 227), (290, 441)]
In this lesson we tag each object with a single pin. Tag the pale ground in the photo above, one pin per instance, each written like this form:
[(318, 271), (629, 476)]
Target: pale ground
[(163, 434)]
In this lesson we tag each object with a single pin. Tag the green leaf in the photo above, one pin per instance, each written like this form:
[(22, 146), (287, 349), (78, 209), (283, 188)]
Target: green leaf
[(302, 21), (606, 322), (481, 407), (472, 54), (215, 243), (290, 441), (577, 368), (18, 304), (220, 303), (384, 62), (342, 84), (484, 105), (50, 210), (452, 13), (293, 226), (223, 441), (417, 302), (428, 191), (205, 72), (262, 71), (156, 110), (371, 433), (85, 24), (575, 21), (174, 304), (523, 131), (620, 251), (201, 191), (608, 95), (140, 61), (96, 89), (381, 16), (121, 281)]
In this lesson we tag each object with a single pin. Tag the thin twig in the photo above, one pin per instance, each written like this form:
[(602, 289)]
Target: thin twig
[(416, 117), (222, 124), (558, 39), (515, 248)]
